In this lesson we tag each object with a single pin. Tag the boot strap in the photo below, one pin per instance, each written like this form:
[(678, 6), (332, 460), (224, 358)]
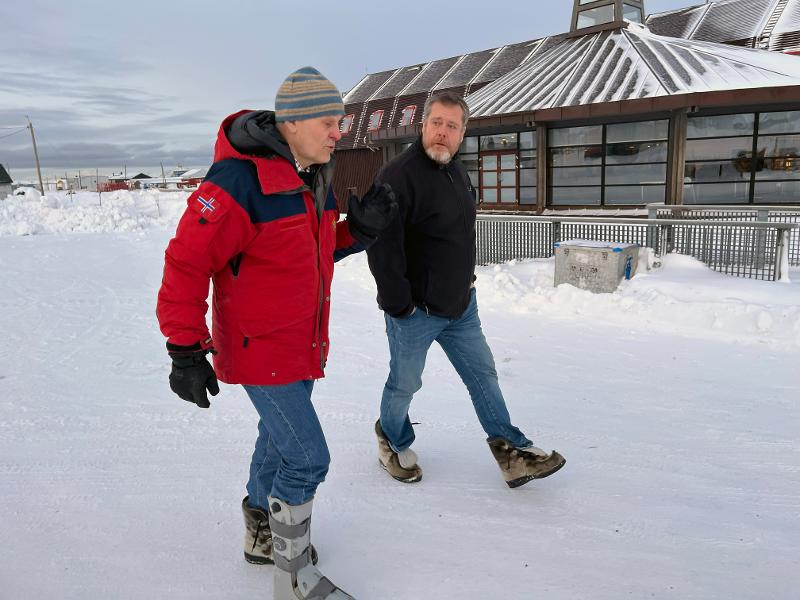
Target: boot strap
[(288, 531), (322, 590), (293, 565)]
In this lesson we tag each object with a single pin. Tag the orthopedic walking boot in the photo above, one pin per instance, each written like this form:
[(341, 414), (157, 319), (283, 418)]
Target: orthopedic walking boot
[(258, 536), (521, 465), (400, 465), (296, 577)]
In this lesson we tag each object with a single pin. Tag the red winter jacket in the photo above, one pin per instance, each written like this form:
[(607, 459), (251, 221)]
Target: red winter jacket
[(252, 228)]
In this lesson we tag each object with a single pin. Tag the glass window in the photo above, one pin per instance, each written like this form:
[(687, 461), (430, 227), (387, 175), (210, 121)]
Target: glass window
[(469, 144), (347, 123), (779, 145), (636, 152), (407, 117), (596, 16), (489, 162), (527, 159), (527, 139), (576, 136), (527, 176), (735, 147), (636, 174), (490, 178), (585, 176), (720, 125), (473, 178), (716, 193), (783, 167), (508, 161), (527, 195), (644, 194), (773, 192), (573, 196), (508, 195), (631, 13), (779, 122), (375, 120), (718, 171), (641, 131), (503, 141), (489, 195), (470, 161), (577, 156)]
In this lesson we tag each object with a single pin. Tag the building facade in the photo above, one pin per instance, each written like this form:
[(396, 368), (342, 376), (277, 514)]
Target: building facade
[(608, 115)]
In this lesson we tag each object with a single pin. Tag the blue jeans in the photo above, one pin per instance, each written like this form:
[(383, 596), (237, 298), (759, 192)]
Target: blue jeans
[(463, 341), (291, 457)]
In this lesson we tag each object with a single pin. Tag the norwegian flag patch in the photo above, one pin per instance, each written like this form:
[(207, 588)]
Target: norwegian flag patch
[(207, 204)]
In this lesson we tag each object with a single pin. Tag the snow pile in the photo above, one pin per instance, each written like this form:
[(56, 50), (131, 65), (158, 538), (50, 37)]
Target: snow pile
[(683, 296), (58, 212)]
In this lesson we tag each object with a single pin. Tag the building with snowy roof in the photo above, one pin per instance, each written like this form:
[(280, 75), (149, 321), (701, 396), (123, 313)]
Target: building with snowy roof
[(611, 114)]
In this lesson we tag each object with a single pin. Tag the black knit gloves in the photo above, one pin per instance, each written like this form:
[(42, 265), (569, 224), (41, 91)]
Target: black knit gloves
[(373, 213), (192, 374)]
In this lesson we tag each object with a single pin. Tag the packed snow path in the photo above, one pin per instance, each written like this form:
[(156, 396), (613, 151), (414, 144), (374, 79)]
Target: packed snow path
[(680, 432)]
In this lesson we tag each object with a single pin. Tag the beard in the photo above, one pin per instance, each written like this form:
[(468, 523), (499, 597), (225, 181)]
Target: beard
[(442, 156)]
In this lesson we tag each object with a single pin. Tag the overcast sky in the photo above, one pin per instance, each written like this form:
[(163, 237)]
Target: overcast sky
[(110, 83)]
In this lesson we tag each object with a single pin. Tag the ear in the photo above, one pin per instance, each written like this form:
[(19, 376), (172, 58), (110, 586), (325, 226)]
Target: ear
[(289, 127)]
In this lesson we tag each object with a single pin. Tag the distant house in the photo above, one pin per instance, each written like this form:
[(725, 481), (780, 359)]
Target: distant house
[(5, 182)]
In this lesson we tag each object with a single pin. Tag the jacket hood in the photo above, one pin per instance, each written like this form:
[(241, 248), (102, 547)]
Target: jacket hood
[(252, 135)]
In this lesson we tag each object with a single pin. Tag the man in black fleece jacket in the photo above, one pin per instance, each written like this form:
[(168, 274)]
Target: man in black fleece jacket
[(424, 267)]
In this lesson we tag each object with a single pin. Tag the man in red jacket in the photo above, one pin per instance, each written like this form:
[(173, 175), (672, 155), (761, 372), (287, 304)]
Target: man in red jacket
[(264, 227)]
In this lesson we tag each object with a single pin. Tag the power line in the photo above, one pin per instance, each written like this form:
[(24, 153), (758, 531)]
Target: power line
[(12, 133)]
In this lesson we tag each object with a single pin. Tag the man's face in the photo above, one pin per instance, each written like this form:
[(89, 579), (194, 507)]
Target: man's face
[(442, 132), (313, 140)]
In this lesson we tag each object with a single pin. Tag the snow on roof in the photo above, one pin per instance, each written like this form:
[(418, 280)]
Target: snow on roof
[(195, 173), (790, 18), (629, 63)]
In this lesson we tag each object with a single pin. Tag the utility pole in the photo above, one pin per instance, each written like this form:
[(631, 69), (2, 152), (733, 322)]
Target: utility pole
[(36, 155)]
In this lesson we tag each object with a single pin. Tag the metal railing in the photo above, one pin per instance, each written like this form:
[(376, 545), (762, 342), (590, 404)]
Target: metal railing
[(754, 249), (761, 214)]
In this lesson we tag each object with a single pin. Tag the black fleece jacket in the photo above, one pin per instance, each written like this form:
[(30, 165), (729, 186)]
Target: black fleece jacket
[(426, 257)]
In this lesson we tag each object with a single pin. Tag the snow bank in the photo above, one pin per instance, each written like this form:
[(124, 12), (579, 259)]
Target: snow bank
[(59, 212), (683, 296)]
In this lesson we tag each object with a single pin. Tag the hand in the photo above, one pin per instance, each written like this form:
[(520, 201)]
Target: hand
[(191, 376), (375, 211)]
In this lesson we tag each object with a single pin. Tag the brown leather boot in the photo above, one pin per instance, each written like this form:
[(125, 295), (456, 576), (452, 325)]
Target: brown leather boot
[(258, 536), (519, 466), (403, 467)]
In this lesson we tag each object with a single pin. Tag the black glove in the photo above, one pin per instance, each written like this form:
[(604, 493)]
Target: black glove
[(192, 374), (374, 212)]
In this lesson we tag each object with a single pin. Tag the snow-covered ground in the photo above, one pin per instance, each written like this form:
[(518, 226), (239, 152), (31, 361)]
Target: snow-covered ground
[(674, 401)]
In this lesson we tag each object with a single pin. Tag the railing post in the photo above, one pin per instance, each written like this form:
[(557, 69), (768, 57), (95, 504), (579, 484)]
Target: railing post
[(782, 257), (556, 232), (760, 259)]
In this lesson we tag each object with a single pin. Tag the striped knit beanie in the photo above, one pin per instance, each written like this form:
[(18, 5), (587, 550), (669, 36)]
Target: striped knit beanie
[(307, 94)]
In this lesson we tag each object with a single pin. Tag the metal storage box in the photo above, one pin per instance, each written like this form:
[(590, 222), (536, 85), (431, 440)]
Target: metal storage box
[(595, 266)]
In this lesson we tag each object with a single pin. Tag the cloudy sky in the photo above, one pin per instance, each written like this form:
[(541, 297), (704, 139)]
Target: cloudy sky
[(108, 83)]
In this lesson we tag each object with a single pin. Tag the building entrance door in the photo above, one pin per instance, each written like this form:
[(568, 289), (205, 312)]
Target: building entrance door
[(499, 177)]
